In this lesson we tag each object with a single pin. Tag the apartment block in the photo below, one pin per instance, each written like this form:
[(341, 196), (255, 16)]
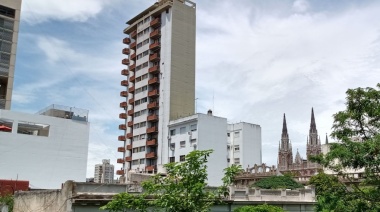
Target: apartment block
[(159, 83), (104, 172), (9, 25)]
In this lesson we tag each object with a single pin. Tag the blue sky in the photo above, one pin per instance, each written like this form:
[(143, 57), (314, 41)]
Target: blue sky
[(256, 59)]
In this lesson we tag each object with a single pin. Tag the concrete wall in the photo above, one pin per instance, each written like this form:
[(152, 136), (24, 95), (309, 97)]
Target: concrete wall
[(45, 162)]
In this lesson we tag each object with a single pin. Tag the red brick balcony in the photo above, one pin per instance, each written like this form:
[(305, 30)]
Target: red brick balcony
[(151, 130), (120, 160), (156, 33), (152, 81), (124, 83), (130, 112), (131, 101), (122, 116), (123, 104), (120, 172), (154, 57), (129, 146), (122, 127), (132, 45), (150, 155), (154, 45), (121, 149), (132, 79), (125, 72), (121, 138), (153, 93), (155, 22), (131, 89), (130, 135), (126, 41), (133, 56), (153, 105), (125, 51), (124, 94), (152, 118), (134, 34), (128, 159), (130, 123), (154, 69), (132, 67), (150, 168), (125, 62), (151, 142)]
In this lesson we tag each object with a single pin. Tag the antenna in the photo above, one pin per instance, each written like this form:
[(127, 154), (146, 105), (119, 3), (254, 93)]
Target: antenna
[(213, 109)]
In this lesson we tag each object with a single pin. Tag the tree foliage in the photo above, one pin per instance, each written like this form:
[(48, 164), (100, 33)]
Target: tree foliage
[(357, 130), (183, 189), (259, 208), (228, 179), (7, 200), (277, 182)]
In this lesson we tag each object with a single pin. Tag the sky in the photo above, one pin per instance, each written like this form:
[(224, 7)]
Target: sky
[(255, 61)]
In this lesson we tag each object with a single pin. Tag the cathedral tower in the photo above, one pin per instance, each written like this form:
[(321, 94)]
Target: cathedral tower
[(313, 142), (285, 154)]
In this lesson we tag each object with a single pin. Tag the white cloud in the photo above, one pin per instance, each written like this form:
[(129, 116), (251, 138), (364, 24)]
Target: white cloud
[(301, 6)]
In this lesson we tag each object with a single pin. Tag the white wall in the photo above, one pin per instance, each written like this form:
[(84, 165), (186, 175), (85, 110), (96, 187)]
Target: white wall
[(45, 161)]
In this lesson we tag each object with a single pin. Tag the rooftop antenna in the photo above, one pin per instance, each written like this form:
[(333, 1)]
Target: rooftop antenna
[(213, 109)]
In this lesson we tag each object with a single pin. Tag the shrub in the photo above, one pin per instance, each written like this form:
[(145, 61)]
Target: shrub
[(277, 182)]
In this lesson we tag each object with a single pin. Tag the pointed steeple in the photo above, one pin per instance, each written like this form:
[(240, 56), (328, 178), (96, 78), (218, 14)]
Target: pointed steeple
[(327, 139), (284, 128), (298, 158), (313, 126)]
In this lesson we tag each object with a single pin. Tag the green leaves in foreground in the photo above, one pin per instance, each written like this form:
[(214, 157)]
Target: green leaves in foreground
[(259, 208), (278, 182)]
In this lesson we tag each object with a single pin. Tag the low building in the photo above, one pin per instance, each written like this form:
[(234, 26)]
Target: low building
[(47, 148)]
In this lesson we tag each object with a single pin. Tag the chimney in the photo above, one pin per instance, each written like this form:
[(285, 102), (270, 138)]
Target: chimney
[(209, 112)]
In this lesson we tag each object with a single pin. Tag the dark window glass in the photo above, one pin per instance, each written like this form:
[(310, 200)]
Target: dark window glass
[(6, 11)]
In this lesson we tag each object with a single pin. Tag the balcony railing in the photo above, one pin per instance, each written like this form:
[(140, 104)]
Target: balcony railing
[(155, 33), (129, 146), (122, 116), (125, 62), (153, 69), (155, 22), (132, 79), (123, 104), (150, 168), (120, 172), (153, 93), (125, 72), (121, 138), (124, 94), (154, 57), (130, 112), (128, 159), (134, 34), (154, 80), (129, 135), (152, 105), (126, 41), (132, 45), (131, 89), (133, 56), (122, 127), (152, 142), (121, 149), (130, 123), (154, 45), (125, 51), (131, 101), (120, 160), (150, 155), (132, 67), (124, 83), (151, 130), (153, 117)]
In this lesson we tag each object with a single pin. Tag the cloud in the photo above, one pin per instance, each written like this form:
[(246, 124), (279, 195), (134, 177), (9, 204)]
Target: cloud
[(300, 6)]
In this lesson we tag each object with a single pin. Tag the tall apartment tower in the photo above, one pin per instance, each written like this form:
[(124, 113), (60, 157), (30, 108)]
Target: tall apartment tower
[(160, 81), (9, 24), (104, 173)]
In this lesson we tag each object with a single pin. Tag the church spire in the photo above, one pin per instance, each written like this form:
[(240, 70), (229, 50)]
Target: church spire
[(313, 126), (284, 128), (327, 139)]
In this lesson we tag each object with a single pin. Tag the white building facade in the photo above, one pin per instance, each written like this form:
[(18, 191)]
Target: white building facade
[(104, 173), (46, 148)]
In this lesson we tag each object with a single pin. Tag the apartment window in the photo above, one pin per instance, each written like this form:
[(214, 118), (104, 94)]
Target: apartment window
[(143, 124), (146, 19), (29, 128), (143, 100), (146, 30), (193, 127), (182, 158), (228, 160), (135, 162), (139, 45), (144, 76), (138, 79), (135, 150), (136, 138), (237, 148), (144, 88), (7, 123), (193, 141), (182, 130), (6, 11), (236, 134), (141, 148), (142, 161), (142, 136), (137, 114), (145, 53), (135, 126), (228, 134), (172, 132), (145, 41), (137, 102), (145, 64), (182, 144), (172, 146), (171, 159), (143, 112), (237, 160)]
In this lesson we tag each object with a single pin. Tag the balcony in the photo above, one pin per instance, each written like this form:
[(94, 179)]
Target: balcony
[(132, 79), (152, 81), (134, 34), (121, 149), (126, 41), (121, 138), (130, 123), (153, 105), (156, 22), (124, 94), (120, 160), (129, 146), (125, 51), (154, 45), (150, 168), (152, 142), (128, 159), (150, 155), (153, 93), (156, 33), (125, 72), (123, 104), (129, 135), (125, 62), (124, 83), (133, 56), (130, 112), (120, 172), (132, 45), (151, 130), (122, 116), (154, 57), (122, 127), (154, 69), (131, 89), (132, 67), (152, 118), (131, 101)]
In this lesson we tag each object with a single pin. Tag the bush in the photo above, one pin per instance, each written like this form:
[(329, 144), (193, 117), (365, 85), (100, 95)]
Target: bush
[(259, 208), (278, 182)]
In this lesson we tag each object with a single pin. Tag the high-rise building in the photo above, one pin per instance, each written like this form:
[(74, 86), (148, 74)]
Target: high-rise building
[(104, 172), (9, 24), (160, 83)]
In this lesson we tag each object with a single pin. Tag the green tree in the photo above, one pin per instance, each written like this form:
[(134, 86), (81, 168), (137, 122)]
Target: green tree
[(7, 200), (259, 208), (183, 189), (277, 182), (228, 179), (357, 130)]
